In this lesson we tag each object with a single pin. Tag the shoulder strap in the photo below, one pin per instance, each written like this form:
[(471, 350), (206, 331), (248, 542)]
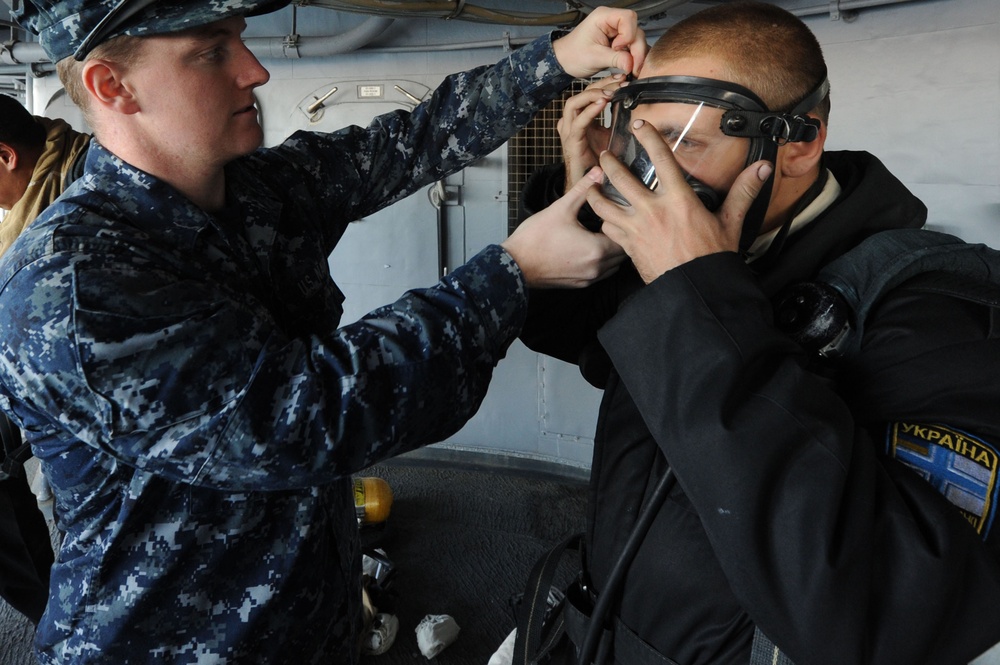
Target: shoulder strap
[(887, 259)]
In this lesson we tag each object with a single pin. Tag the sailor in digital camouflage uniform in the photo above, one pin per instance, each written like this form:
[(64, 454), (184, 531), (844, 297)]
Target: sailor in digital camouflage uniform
[(179, 369)]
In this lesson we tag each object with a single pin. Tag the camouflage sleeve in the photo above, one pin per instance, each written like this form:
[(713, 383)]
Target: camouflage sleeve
[(208, 391), (358, 171), (405, 375)]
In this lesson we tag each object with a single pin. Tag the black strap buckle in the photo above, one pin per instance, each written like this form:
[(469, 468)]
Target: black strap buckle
[(781, 128)]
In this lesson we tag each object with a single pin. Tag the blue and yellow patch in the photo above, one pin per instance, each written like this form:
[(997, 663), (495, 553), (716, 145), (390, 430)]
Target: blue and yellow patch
[(962, 467)]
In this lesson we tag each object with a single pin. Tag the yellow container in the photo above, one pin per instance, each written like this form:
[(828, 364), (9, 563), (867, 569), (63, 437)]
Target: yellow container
[(372, 500)]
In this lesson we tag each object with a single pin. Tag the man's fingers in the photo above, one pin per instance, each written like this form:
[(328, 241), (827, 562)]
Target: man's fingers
[(639, 50), (582, 100), (613, 82), (660, 155), (577, 194), (599, 91), (623, 180), (622, 60), (632, 47), (594, 108), (607, 209), (593, 45), (613, 255), (744, 191)]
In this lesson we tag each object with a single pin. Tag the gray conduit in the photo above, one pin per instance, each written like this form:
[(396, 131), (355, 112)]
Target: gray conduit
[(22, 53), (13, 56), (836, 6), (317, 47)]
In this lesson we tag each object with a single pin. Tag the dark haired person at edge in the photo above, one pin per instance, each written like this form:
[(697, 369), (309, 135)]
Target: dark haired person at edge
[(37, 158), (791, 512), (171, 332)]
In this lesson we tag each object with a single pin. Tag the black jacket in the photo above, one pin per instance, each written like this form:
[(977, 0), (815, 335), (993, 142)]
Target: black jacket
[(788, 514)]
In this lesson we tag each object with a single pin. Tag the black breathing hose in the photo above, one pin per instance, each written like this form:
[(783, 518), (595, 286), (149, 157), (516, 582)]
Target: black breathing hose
[(610, 591)]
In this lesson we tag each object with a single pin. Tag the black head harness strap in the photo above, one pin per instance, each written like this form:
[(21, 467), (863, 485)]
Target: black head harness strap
[(768, 130)]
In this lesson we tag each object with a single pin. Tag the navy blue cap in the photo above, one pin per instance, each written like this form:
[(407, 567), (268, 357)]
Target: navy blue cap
[(74, 27)]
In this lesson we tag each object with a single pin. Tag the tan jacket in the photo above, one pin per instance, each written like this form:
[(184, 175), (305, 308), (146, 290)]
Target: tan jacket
[(62, 145)]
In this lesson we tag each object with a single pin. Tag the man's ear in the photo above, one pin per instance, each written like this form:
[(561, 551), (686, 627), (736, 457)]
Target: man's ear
[(801, 157), (8, 157), (104, 80)]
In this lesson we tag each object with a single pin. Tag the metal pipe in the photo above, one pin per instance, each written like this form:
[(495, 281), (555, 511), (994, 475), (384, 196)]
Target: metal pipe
[(505, 44), (36, 70), (20, 53), (844, 5), (317, 47)]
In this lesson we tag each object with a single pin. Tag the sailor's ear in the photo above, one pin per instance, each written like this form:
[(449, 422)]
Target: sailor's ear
[(106, 83), (802, 157)]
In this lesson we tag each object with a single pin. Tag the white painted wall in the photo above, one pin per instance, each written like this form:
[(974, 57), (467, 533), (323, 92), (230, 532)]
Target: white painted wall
[(919, 86)]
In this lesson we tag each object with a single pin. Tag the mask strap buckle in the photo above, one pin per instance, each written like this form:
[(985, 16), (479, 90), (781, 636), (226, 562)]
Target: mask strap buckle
[(781, 128)]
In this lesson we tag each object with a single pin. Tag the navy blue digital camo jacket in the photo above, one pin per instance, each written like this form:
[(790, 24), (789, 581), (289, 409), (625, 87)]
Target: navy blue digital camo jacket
[(198, 410)]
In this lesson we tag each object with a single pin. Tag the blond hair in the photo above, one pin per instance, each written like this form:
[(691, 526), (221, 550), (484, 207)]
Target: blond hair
[(766, 49)]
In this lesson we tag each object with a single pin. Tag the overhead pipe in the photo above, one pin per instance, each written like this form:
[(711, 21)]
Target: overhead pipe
[(292, 46), (460, 10), (22, 53), (295, 46), (507, 42), (834, 7)]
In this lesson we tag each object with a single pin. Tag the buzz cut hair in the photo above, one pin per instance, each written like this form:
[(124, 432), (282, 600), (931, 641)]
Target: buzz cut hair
[(765, 48)]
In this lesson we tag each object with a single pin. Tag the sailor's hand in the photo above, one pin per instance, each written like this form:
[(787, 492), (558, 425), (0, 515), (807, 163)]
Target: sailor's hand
[(607, 39), (669, 226), (554, 250), (581, 135)]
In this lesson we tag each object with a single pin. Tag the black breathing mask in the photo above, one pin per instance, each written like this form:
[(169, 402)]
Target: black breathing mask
[(714, 128)]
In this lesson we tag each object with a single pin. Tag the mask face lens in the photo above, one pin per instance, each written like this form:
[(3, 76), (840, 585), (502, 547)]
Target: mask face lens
[(709, 158), (631, 153)]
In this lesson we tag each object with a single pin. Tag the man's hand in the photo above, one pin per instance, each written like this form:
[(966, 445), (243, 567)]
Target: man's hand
[(581, 137), (670, 226), (554, 250), (606, 39)]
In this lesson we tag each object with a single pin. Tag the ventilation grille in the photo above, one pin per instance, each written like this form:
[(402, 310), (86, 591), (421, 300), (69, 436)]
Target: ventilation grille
[(534, 146)]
